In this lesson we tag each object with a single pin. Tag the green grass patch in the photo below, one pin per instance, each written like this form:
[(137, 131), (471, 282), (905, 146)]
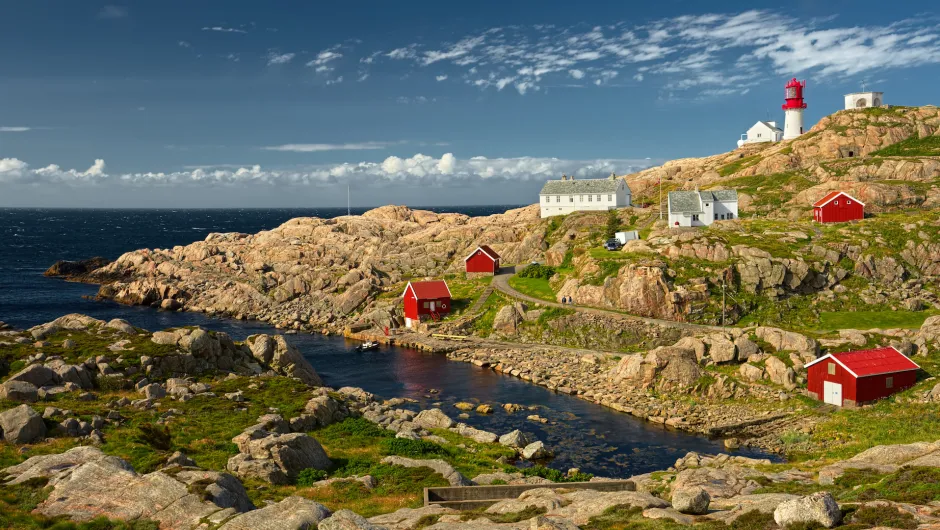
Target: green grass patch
[(534, 287), (913, 146), (738, 165), (833, 321), (915, 485)]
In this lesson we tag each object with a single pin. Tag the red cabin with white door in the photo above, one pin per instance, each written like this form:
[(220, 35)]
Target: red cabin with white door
[(483, 260), (838, 207), (857, 377), (425, 300)]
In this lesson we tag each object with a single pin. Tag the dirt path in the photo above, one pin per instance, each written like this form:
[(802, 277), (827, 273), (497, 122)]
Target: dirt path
[(501, 281)]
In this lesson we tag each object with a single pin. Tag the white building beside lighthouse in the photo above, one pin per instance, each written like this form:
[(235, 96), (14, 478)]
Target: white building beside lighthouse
[(793, 109), (863, 100)]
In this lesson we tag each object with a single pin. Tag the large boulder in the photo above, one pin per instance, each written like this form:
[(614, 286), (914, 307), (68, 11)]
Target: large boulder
[(783, 340), (536, 451), (56, 466), (433, 419), (515, 439), (19, 391), (477, 435), (325, 409), (780, 373), (72, 322), (22, 425), (292, 513), (691, 500), (281, 356), (820, 508), (36, 375), (347, 520), (507, 320), (721, 349), (292, 453), (410, 518)]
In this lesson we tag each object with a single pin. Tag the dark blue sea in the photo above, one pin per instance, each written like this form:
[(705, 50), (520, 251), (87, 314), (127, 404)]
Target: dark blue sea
[(584, 435)]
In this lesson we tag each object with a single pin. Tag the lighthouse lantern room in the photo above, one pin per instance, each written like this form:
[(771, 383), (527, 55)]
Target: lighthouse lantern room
[(793, 109)]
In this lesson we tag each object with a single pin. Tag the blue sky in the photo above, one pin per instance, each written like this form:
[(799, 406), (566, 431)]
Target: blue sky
[(209, 104)]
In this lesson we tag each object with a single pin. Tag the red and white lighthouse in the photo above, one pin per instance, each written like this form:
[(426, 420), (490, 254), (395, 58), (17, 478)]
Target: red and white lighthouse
[(793, 109)]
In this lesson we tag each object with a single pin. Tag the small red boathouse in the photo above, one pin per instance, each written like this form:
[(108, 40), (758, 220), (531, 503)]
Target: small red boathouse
[(857, 377), (838, 207), (425, 300), (483, 260)]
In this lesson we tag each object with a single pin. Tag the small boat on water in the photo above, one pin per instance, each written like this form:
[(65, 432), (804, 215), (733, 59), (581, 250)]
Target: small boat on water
[(368, 346)]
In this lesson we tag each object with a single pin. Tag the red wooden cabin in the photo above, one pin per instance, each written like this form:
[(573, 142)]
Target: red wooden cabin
[(425, 300), (858, 377), (482, 260), (838, 207)]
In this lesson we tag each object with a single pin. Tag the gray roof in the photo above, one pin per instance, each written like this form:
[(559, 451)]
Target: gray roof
[(562, 187), (772, 127), (691, 201)]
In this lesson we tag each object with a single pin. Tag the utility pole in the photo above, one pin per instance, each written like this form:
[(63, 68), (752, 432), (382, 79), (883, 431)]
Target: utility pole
[(348, 210), (660, 196), (722, 301)]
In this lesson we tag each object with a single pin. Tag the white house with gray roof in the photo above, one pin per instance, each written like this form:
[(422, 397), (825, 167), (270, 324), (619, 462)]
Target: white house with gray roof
[(701, 208), (561, 197), (762, 131)]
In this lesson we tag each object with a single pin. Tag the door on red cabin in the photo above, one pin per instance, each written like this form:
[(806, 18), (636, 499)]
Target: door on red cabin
[(832, 393)]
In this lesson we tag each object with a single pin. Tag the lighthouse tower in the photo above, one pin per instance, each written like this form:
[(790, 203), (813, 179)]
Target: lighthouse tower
[(793, 109)]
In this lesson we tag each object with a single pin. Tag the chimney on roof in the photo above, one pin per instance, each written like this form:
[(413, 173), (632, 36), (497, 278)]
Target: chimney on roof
[(564, 177), (613, 176)]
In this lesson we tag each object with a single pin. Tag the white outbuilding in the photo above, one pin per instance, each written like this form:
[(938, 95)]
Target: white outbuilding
[(561, 197), (762, 131), (701, 208), (864, 100)]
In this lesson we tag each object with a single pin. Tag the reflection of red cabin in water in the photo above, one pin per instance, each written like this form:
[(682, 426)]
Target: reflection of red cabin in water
[(425, 300), (857, 377), (838, 207), (483, 260)]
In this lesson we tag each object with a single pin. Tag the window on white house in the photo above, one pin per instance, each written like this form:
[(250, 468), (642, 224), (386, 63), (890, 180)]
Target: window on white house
[(589, 198), (581, 198), (730, 216), (610, 197), (889, 382), (695, 217), (571, 198), (557, 198), (716, 216), (598, 198), (832, 368)]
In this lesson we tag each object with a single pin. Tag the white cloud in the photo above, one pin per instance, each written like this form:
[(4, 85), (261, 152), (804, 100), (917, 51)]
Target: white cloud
[(280, 58), (750, 46), (183, 44), (417, 171), (334, 81), (323, 58), (222, 29), (314, 148), (15, 129), (441, 78), (112, 12), (363, 76)]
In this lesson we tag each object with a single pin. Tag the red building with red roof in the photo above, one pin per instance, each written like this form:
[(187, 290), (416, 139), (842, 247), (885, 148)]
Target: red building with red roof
[(425, 300), (483, 260), (858, 377), (838, 207)]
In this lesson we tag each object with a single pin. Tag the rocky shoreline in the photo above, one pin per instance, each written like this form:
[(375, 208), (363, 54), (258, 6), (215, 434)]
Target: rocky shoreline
[(81, 470)]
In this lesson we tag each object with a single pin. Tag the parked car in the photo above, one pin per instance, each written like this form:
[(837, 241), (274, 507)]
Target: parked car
[(612, 244)]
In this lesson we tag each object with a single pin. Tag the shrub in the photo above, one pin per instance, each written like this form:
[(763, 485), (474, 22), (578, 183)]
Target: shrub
[(155, 436), (308, 476), (411, 448), (884, 516), (543, 272), (111, 384), (613, 223)]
